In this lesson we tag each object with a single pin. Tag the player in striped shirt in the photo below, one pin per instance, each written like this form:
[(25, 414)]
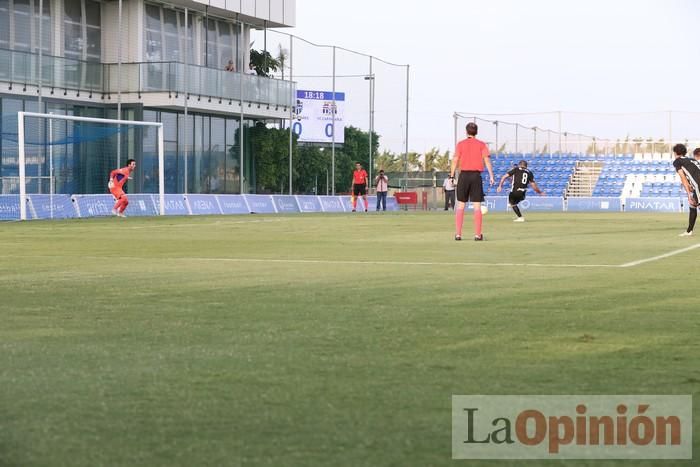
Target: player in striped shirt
[(689, 172), (117, 180)]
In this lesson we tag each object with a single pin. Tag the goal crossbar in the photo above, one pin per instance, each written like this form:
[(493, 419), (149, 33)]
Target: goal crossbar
[(21, 152)]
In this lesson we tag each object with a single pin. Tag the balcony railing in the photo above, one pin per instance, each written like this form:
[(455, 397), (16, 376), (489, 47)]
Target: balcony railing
[(140, 78), (56, 72)]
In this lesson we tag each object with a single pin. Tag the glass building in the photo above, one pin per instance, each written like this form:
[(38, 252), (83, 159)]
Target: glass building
[(62, 56)]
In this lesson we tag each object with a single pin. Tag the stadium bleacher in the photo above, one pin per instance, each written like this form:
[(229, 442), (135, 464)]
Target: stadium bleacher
[(621, 176), (552, 172)]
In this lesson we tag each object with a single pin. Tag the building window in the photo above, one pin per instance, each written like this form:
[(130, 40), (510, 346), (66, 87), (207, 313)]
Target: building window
[(172, 47), (5, 24), (165, 32), (220, 44), (19, 25), (154, 41), (93, 31), (22, 25), (165, 35), (82, 30)]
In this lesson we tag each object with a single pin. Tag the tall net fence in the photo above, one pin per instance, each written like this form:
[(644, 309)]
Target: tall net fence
[(374, 100), (643, 133), (75, 157)]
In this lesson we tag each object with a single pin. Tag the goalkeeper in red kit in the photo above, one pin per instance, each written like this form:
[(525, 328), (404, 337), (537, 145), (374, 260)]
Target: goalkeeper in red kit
[(117, 179)]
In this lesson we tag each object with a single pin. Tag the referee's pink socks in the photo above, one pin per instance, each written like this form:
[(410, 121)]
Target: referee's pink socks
[(364, 200), (478, 219), (459, 220)]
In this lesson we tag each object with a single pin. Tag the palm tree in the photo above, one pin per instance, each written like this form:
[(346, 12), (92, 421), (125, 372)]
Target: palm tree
[(431, 157), (413, 161), (282, 57), (388, 161), (442, 163)]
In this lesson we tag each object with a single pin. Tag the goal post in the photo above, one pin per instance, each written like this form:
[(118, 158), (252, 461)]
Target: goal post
[(87, 153)]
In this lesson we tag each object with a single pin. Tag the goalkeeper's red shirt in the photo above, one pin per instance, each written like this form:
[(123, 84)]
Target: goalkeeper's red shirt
[(359, 177), (119, 177)]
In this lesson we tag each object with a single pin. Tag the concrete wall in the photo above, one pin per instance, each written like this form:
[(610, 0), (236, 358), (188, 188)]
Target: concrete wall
[(277, 13)]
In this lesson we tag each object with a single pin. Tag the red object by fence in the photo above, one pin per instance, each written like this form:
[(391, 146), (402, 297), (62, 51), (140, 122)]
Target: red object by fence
[(407, 197)]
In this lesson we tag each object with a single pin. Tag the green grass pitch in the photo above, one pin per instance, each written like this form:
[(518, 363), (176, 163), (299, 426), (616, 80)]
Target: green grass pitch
[(325, 340)]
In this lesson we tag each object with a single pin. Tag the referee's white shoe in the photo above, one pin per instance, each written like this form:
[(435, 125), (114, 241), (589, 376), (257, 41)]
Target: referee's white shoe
[(519, 219), (686, 234)]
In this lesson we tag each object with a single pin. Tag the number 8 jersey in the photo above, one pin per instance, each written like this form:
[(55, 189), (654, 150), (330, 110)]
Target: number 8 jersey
[(521, 178)]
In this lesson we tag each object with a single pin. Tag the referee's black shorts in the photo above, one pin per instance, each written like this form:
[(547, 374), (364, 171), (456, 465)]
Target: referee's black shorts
[(359, 190), (470, 187)]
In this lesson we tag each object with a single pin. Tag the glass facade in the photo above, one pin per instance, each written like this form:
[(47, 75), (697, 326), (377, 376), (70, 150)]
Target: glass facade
[(22, 25), (202, 154), (213, 153), (82, 30), (165, 32), (221, 44), (75, 60), (164, 35), (70, 167), (19, 25)]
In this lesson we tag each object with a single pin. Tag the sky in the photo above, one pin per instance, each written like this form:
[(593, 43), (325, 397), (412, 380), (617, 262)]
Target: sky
[(585, 58)]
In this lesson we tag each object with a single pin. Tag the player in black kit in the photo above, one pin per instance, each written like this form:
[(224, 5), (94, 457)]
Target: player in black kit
[(522, 177), (689, 172)]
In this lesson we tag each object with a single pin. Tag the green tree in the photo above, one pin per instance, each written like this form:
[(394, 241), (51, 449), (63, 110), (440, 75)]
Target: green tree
[(270, 149), (282, 57), (430, 158), (355, 149), (442, 163), (310, 168), (389, 161), (414, 162), (263, 62)]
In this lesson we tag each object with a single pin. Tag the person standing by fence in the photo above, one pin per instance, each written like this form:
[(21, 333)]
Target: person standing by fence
[(359, 186), (381, 182), (448, 188)]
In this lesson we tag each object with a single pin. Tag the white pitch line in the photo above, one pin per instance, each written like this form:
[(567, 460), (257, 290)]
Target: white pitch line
[(388, 262), (218, 223), (657, 258), (329, 261), (396, 263)]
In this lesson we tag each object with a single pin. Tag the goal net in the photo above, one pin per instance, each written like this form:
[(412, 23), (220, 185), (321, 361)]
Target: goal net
[(64, 157)]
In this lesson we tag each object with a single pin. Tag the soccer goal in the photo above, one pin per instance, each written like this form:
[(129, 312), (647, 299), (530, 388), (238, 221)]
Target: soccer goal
[(73, 155)]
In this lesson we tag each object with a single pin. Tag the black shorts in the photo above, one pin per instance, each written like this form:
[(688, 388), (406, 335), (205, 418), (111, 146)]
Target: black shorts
[(514, 197), (470, 187), (359, 190)]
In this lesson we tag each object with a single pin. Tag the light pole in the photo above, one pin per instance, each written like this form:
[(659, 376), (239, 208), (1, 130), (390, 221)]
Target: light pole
[(405, 156), (327, 181), (371, 79)]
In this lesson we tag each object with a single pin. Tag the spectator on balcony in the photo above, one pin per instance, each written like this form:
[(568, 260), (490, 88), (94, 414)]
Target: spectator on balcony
[(251, 69), (230, 66)]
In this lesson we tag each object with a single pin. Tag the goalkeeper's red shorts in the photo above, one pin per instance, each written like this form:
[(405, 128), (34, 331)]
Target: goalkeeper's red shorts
[(117, 193)]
